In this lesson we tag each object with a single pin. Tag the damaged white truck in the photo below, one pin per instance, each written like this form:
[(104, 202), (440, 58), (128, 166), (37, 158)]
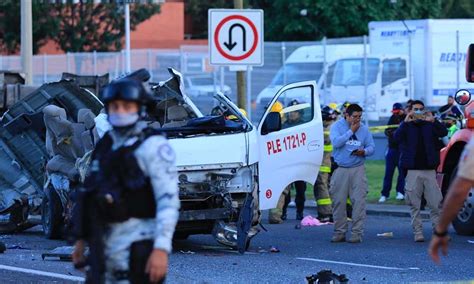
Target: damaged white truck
[(228, 168)]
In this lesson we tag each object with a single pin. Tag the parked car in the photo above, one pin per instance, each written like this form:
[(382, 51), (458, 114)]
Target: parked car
[(229, 170)]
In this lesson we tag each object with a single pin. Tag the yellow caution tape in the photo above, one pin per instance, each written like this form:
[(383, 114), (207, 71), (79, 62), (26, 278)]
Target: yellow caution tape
[(376, 129)]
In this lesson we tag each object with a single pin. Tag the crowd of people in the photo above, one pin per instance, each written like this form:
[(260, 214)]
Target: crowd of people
[(415, 135)]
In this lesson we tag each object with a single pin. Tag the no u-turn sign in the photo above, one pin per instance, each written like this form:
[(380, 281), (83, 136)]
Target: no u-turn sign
[(236, 37)]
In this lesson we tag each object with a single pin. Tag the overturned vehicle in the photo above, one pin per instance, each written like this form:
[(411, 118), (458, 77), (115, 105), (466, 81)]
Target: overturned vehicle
[(228, 169)]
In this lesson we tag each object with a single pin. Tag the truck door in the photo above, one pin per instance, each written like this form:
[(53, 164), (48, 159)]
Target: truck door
[(395, 85), (290, 141)]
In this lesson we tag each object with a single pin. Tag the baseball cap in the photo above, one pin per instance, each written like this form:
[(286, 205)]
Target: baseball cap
[(397, 107)]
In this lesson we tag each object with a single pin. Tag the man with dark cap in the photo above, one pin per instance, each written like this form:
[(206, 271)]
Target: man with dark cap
[(392, 156)]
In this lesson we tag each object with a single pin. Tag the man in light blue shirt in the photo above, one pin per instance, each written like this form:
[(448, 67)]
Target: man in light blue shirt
[(352, 142)]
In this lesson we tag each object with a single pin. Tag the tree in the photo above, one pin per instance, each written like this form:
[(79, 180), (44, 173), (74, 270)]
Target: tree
[(458, 9), (86, 26), (197, 11), (83, 26), (10, 26), (312, 20)]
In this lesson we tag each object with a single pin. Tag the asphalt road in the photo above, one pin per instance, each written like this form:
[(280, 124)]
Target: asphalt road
[(302, 252)]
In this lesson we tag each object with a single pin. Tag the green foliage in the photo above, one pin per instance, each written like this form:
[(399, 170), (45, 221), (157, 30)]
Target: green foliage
[(10, 26), (458, 9), (284, 19), (197, 9), (83, 26)]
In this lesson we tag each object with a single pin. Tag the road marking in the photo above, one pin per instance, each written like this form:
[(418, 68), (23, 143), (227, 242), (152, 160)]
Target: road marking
[(42, 273), (357, 264)]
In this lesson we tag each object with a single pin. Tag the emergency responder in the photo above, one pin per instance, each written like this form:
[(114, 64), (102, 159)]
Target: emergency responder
[(321, 189), (457, 194), (451, 125), (293, 118), (334, 107), (129, 207), (352, 142), (275, 216)]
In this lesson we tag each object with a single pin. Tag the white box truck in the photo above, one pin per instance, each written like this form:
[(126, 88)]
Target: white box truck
[(437, 64)]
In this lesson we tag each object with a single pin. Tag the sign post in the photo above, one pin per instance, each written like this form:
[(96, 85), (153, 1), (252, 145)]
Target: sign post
[(236, 40)]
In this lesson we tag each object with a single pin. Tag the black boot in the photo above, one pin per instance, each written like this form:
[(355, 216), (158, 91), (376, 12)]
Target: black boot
[(299, 215)]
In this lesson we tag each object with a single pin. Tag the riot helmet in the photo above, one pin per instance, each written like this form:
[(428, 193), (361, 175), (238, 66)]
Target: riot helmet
[(126, 90)]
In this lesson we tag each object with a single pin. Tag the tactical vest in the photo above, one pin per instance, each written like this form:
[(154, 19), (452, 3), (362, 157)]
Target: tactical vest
[(122, 190)]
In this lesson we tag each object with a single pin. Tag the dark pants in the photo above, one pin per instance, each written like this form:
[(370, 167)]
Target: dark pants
[(139, 254), (300, 198), (391, 162)]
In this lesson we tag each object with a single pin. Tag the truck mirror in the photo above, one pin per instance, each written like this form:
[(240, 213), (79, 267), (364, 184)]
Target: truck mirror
[(470, 64), (272, 123), (462, 97)]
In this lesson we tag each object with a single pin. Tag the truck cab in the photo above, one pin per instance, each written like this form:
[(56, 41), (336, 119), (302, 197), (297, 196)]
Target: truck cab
[(306, 63), (386, 80)]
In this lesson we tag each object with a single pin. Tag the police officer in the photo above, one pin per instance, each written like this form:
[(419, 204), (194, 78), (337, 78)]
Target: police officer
[(129, 207), (321, 190)]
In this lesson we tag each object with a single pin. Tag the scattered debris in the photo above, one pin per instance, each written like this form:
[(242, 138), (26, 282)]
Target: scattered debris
[(63, 253), (298, 226), (274, 249), (18, 247), (386, 235), (326, 276), (186, 252), (3, 248), (470, 241)]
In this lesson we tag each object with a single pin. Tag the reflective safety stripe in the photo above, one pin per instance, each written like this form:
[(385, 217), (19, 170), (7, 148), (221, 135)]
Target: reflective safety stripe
[(324, 201), (325, 169), (349, 201), (328, 148)]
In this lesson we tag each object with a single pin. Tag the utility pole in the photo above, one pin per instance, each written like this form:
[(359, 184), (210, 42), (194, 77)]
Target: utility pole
[(27, 41), (127, 38), (241, 84)]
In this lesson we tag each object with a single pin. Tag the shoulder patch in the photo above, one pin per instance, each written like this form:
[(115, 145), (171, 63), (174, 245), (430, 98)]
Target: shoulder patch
[(166, 153)]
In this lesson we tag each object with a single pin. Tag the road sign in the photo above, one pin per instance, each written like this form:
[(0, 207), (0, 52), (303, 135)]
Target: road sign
[(236, 36)]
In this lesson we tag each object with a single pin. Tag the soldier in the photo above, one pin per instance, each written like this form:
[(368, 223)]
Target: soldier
[(129, 207), (321, 189)]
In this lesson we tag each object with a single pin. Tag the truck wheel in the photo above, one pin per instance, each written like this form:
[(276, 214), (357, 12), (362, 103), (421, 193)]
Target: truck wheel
[(464, 222), (52, 215)]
